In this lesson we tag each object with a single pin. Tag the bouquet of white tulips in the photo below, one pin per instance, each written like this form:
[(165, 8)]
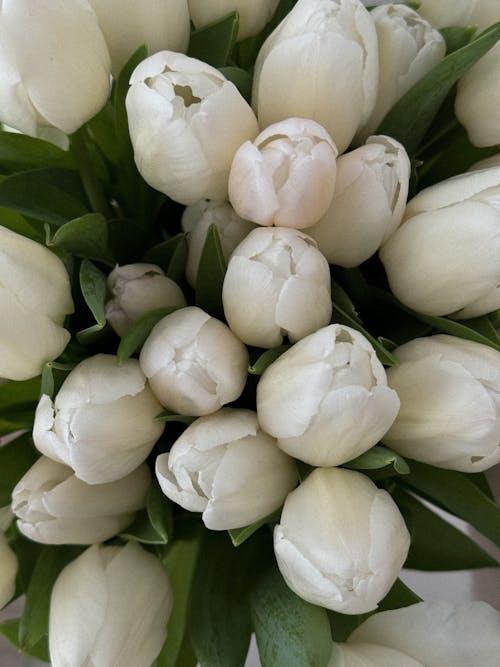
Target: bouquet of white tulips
[(250, 329)]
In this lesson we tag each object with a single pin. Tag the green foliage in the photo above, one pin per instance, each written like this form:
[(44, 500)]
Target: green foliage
[(94, 289), (154, 525), (19, 152), (135, 337), (214, 43), (210, 277), (265, 359), (381, 459), (16, 458)]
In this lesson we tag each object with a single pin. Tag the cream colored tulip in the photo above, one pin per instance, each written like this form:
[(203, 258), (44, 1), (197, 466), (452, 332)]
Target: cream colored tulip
[(8, 571), (253, 14)]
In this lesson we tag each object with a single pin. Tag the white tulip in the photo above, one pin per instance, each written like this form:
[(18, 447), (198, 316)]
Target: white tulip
[(450, 410), (194, 363), (408, 48), (186, 121), (341, 542), (110, 607), (8, 571), (286, 177), (136, 289), (38, 86), (277, 284), (326, 399), (444, 13), (35, 297), (369, 655), (438, 634), (127, 25), (253, 14), (196, 220), (321, 62), (444, 259), (369, 202), (225, 466), (53, 506), (102, 422)]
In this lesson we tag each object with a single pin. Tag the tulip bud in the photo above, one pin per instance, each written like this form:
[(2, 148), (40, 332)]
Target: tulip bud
[(53, 506), (253, 15), (286, 177), (186, 121), (408, 48), (444, 259), (39, 87), (445, 13), (277, 284), (225, 466), (110, 607), (368, 204), (136, 289), (449, 414), (196, 221), (35, 297), (347, 407), (437, 634), (194, 363), (102, 422), (127, 25), (8, 571), (335, 39), (341, 542), (369, 655)]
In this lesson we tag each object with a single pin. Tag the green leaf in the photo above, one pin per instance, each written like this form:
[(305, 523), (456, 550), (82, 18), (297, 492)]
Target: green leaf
[(86, 236), (211, 272), (399, 596), (457, 494), (10, 630), (435, 543), (379, 457), (123, 142), (34, 623), (51, 195), (171, 256), (102, 130), (240, 535), (168, 416), (290, 631), (214, 43), (457, 36), (48, 385), (16, 458), (345, 313), (241, 79), (18, 401), (266, 359), (134, 339), (154, 525), (18, 152), (410, 118), (18, 223), (94, 289), (220, 622)]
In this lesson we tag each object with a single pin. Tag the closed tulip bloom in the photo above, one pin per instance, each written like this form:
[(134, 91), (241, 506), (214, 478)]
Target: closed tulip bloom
[(102, 421), (450, 409), (196, 221), (286, 177), (127, 25), (341, 541), (194, 363), (186, 121), (135, 290), (444, 259), (436, 634), (35, 297), (277, 284), (347, 407), (225, 466), (445, 13), (110, 607), (321, 62), (8, 571), (40, 88), (253, 14), (369, 202), (408, 48), (53, 506), (361, 654)]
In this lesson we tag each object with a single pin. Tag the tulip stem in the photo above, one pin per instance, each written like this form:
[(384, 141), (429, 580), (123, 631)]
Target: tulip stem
[(92, 185)]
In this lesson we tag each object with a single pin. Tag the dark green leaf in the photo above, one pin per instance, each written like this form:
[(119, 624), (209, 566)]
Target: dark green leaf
[(479, 479), (266, 359), (94, 289), (379, 457), (102, 130), (170, 256), (141, 530), (159, 509), (290, 631), (139, 331), (399, 596), (241, 79), (454, 492), (213, 43), (211, 272), (240, 535), (436, 544), (457, 36), (410, 118), (34, 623), (479, 332), (51, 195), (18, 401), (18, 223), (49, 383), (16, 458), (168, 416), (86, 237), (10, 630), (18, 152)]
